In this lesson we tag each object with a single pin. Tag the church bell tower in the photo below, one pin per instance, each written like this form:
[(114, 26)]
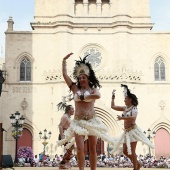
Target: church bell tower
[(132, 14)]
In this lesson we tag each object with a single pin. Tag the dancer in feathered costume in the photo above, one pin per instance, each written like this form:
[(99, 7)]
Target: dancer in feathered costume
[(63, 126), (132, 133), (85, 124)]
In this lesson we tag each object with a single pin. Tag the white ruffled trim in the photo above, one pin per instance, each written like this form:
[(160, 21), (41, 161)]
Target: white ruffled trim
[(92, 127), (70, 143), (131, 136)]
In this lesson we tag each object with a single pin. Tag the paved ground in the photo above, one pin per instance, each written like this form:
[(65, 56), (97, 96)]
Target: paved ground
[(73, 168)]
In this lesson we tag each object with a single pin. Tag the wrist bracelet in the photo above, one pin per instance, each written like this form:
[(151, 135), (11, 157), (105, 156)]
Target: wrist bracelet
[(81, 97), (113, 96), (64, 63)]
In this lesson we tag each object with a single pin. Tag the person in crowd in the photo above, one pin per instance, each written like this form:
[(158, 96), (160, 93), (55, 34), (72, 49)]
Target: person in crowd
[(64, 125), (87, 157), (86, 125), (168, 162), (41, 157), (47, 158), (103, 156), (54, 162), (110, 158), (36, 160), (28, 161), (132, 133), (22, 161), (57, 159), (74, 162), (44, 157)]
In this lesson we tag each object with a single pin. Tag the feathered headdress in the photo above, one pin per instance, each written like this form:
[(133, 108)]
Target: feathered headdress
[(83, 66), (130, 95), (126, 90), (62, 105)]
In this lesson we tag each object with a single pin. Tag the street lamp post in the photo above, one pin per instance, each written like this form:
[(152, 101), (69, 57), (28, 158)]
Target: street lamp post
[(17, 122), (150, 136), (45, 137), (108, 149)]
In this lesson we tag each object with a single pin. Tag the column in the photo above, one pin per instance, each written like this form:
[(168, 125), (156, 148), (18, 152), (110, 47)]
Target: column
[(85, 7), (99, 7), (73, 7), (111, 7)]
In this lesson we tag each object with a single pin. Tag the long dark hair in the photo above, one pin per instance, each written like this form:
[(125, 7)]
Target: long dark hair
[(67, 108)]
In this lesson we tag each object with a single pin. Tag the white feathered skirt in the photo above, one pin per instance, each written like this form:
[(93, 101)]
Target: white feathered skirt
[(91, 127), (129, 135)]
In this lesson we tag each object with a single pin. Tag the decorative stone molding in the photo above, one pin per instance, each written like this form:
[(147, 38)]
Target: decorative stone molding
[(24, 104), (103, 75), (99, 28), (111, 23), (120, 75), (52, 76), (85, 28), (162, 105)]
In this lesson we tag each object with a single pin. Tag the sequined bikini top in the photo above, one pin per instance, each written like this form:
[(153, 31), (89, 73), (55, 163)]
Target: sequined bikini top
[(131, 111), (86, 93)]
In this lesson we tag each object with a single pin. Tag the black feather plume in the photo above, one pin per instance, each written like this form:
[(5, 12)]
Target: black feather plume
[(61, 106)]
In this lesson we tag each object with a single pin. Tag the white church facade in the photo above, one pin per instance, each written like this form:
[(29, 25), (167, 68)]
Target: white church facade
[(123, 50)]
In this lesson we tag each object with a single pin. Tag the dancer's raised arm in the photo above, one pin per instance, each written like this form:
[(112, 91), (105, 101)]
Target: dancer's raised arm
[(113, 106), (64, 71)]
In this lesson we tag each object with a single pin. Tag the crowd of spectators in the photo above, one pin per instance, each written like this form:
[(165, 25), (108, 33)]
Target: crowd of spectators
[(121, 161), (116, 161)]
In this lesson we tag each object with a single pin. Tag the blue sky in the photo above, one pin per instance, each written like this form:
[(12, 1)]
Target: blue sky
[(22, 12)]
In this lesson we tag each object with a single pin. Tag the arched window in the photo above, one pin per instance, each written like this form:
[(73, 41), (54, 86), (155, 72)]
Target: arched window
[(25, 69), (159, 69)]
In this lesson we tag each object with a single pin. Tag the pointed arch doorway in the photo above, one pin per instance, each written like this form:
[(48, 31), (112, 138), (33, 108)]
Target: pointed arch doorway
[(26, 138), (162, 143)]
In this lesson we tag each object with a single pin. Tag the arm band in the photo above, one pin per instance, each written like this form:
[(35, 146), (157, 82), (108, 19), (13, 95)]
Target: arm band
[(71, 85)]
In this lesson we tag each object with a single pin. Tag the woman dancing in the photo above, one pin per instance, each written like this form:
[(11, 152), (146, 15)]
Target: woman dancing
[(64, 125), (132, 133), (85, 123)]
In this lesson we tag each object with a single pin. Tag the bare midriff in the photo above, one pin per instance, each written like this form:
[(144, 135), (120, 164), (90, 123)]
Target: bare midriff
[(129, 123), (84, 108)]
